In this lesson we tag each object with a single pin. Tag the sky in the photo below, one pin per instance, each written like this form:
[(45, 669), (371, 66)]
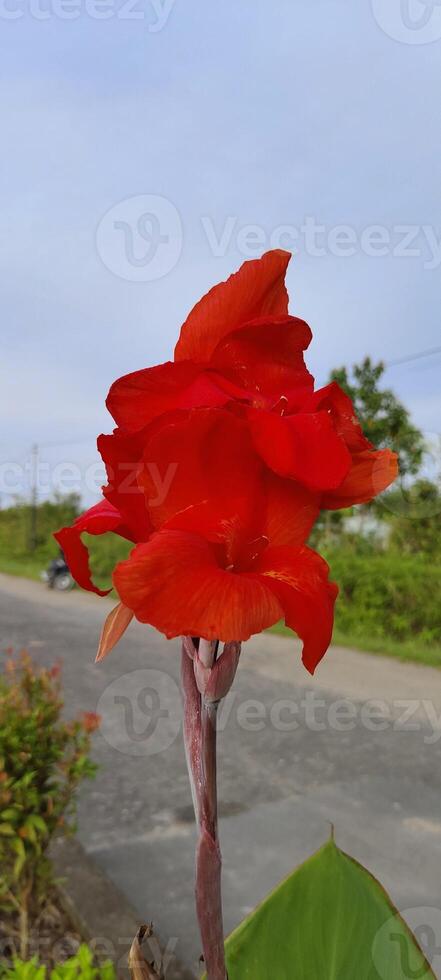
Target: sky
[(151, 146)]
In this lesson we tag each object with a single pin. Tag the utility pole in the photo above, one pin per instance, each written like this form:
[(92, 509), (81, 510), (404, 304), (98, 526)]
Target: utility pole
[(34, 498)]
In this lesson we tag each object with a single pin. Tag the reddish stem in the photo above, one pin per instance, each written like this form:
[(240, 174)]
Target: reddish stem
[(200, 746)]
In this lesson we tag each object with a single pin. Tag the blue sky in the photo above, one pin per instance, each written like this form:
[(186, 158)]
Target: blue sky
[(229, 116)]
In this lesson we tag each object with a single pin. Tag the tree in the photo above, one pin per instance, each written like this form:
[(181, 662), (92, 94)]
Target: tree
[(384, 420), (416, 518)]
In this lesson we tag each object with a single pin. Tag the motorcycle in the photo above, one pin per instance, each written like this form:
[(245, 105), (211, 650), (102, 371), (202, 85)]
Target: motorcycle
[(58, 576)]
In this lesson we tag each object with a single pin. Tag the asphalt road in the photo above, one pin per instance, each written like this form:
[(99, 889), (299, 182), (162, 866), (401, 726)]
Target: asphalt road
[(358, 745)]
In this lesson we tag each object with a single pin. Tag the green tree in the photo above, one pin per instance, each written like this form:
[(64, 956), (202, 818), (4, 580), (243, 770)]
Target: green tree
[(415, 518), (384, 419)]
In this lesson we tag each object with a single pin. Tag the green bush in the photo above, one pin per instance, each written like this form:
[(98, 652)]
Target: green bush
[(15, 527), (79, 967), (17, 559), (387, 595), (42, 761), (104, 553)]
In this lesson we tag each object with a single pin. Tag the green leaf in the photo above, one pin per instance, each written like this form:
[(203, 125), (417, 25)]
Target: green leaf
[(330, 920), (37, 821), (11, 813), (20, 861), (7, 830)]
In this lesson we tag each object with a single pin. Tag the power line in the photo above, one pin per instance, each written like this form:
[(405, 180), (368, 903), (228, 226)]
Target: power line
[(414, 357)]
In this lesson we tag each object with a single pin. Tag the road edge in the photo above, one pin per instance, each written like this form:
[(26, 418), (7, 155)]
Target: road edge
[(99, 912)]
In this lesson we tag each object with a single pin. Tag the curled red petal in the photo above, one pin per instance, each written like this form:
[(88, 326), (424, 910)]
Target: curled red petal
[(137, 398), (257, 289), (266, 356), (300, 580), (99, 519), (332, 398), (371, 473), (304, 447)]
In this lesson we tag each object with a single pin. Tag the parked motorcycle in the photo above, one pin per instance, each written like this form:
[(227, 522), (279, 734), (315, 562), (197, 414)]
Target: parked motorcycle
[(58, 576)]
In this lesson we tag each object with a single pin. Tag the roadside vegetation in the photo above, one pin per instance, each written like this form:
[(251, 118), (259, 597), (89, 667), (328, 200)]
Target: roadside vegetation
[(43, 760)]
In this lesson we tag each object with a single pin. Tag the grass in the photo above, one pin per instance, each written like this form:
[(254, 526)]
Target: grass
[(412, 651), (24, 567)]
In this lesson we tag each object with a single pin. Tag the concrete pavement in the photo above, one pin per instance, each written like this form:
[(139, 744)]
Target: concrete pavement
[(358, 745)]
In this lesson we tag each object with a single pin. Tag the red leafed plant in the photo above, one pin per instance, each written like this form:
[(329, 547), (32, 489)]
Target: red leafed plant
[(248, 455)]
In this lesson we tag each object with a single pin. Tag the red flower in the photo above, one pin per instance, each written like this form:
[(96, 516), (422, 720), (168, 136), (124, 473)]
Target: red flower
[(228, 558), (239, 343), (218, 469)]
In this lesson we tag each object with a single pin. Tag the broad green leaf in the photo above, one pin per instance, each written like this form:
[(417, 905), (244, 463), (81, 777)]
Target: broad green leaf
[(330, 920)]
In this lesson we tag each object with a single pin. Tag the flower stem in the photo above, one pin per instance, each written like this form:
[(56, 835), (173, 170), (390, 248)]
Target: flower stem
[(200, 744)]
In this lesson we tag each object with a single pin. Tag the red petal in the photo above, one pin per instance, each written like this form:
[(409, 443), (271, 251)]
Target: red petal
[(99, 519), (137, 398), (122, 454), (257, 289), (299, 579), (291, 511), (340, 406), (303, 447), (202, 471), (371, 473), (266, 356), (175, 583)]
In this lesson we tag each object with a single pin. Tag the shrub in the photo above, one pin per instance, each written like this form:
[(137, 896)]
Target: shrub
[(79, 967), (15, 527), (387, 595), (42, 761)]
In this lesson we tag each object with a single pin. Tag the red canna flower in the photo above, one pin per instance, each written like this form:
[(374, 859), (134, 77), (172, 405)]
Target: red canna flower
[(228, 558), (248, 453), (239, 343)]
